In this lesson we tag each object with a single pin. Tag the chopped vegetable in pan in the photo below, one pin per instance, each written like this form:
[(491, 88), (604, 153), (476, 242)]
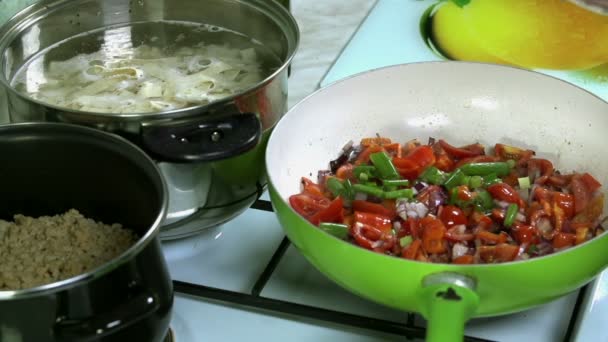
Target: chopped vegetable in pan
[(440, 203)]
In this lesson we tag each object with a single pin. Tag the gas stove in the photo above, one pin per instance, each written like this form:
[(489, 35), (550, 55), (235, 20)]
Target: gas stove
[(244, 280)]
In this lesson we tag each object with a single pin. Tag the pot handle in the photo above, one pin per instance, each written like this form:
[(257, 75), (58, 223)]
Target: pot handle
[(129, 312), (202, 140), (449, 301)]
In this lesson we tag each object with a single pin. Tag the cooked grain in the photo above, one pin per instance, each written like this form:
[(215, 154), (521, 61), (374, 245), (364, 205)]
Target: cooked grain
[(37, 251)]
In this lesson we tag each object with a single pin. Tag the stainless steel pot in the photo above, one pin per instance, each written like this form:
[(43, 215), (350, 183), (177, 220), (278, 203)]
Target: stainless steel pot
[(211, 156), (49, 168)]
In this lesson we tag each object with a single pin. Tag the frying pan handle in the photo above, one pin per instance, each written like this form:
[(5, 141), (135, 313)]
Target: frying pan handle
[(449, 301), (203, 140)]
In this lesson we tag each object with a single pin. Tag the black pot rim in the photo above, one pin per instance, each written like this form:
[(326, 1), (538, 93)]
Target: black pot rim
[(150, 235)]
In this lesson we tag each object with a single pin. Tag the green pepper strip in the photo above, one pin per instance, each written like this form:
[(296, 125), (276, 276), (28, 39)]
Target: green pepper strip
[(490, 179), (475, 182), (483, 169), (384, 165), (405, 241), (454, 179), (369, 170), (403, 193), (349, 192), (433, 175), (454, 196), (396, 182), (484, 200), (512, 210), (367, 189), (335, 186), (336, 229), (338, 188)]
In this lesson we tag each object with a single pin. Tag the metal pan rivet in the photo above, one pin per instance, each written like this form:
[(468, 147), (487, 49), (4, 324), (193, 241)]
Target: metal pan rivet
[(216, 136)]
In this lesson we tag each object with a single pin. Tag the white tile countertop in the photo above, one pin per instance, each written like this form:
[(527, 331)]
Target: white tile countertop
[(325, 28)]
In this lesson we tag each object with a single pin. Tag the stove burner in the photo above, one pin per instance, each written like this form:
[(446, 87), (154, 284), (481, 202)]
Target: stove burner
[(170, 337)]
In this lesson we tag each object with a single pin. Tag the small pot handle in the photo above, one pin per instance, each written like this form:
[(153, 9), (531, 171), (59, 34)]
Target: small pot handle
[(133, 310), (202, 140), (448, 306)]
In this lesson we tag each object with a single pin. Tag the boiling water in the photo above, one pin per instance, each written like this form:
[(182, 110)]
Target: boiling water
[(145, 67)]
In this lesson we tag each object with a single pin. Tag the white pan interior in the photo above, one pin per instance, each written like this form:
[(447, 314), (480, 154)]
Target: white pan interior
[(460, 102)]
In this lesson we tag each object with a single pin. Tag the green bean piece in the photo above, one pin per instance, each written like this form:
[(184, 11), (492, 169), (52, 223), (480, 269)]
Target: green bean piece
[(336, 229), (403, 193), (512, 210), (368, 189), (483, 169), (384, 165)]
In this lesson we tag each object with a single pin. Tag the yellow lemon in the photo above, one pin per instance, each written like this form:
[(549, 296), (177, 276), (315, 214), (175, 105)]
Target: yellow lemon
[(547, 34), (452, 35)]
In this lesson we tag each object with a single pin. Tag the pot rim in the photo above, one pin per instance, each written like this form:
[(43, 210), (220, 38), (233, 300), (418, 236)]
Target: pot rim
[(31, 14), (150, 235)]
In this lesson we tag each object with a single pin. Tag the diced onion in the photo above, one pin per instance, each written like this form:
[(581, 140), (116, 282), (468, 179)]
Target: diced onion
[(459, 250)]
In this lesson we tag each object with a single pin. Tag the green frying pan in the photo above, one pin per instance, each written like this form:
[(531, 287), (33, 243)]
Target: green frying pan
[(463, 103)]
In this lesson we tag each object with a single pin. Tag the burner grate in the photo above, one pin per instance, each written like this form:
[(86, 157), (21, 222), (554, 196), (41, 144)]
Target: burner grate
[(255, 301)]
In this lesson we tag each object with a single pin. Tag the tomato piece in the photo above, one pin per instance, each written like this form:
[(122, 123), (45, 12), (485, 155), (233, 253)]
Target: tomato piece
[(366, 142), (412, 226), (311, 187), (591, 212), (498, 215), (381, 222), (451, 215), (523, 233), (487, 253), (511, 179), (365, 235), (541, 193), (558, 217), (506, 152), (462, 152), (373, 232), (561, 240), (591, 183), (458, 234), (544, 166), (407, 168), (345, 171), (308, 205), (444, 163), (505, 252), (482, 221), (422, 155), (433, 232), (464, 260), (363, 157), (333, 213), (559, 180), (565, 202), (410, 166), (581, 235), (464, 194), (489, 237), (504, 192), (412, 250), (421, 256), (374, 208), (393, 150), (582, 195)]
